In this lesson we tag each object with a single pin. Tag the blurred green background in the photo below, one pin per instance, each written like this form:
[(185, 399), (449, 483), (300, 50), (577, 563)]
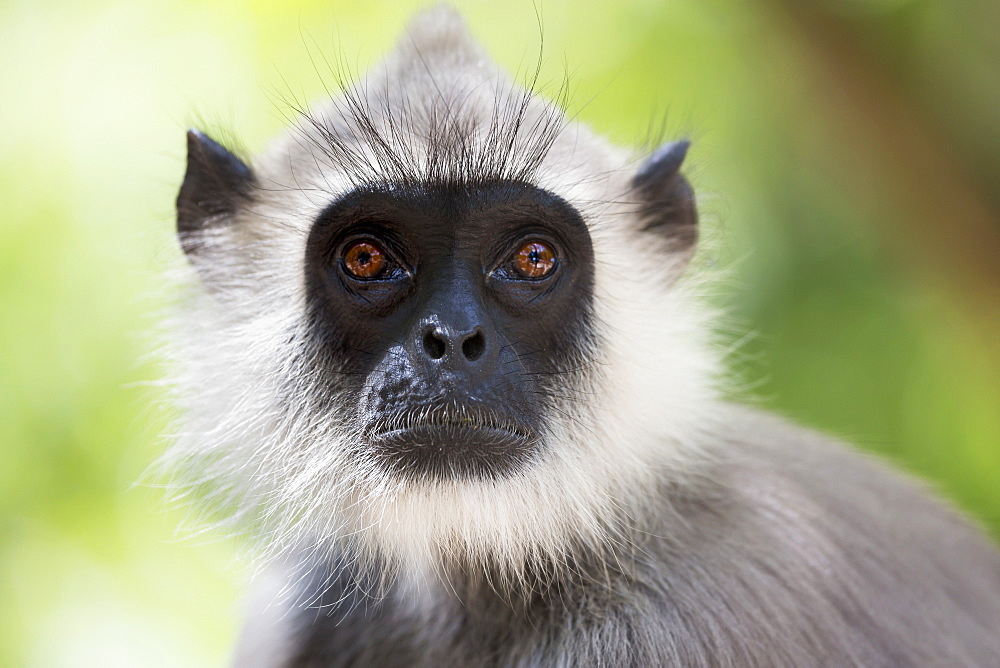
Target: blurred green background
[(847, 153)]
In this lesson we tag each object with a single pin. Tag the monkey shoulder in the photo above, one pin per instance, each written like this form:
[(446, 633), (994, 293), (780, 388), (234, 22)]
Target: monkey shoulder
[(799, 546)]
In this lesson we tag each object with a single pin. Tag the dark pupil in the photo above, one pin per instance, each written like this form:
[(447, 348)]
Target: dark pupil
[(364, 257), (534, 257)]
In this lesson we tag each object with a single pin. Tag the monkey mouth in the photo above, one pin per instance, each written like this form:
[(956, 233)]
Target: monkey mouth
[(452, 441)]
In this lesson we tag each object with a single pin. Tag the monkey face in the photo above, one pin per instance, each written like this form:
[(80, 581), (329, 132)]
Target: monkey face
[(436, 320), (453, 312)]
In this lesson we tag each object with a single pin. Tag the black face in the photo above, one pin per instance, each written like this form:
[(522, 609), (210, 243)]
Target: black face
[(454, 313)]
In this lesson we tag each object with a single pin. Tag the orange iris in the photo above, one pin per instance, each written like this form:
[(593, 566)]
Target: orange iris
[(534, 260), (364, 259)]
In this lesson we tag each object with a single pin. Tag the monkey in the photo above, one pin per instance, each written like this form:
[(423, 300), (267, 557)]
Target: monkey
[(445, 356)]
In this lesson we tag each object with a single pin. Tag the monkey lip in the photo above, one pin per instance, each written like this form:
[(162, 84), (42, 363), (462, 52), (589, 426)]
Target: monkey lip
[(451, 435), (451, 420), (463, 443)]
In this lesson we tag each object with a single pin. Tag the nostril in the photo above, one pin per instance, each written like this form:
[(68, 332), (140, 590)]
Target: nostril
[(434, 345), (474, 346)]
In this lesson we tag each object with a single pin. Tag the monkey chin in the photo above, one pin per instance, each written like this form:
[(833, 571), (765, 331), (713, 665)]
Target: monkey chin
[(459, 443)]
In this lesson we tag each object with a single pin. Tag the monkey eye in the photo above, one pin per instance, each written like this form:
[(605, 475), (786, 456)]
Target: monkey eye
[(534, 260), (364, 259)]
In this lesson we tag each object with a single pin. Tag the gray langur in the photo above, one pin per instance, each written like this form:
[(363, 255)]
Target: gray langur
[(442, 362)]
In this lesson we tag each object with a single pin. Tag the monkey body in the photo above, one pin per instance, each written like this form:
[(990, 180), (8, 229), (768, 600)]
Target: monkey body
[(784, 556), (442, 362)]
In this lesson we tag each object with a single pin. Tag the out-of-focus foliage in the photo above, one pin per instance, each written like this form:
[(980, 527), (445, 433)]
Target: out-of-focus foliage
[(847, 153)]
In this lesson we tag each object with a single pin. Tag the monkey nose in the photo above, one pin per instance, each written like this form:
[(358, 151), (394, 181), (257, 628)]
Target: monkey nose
[(445, 344)]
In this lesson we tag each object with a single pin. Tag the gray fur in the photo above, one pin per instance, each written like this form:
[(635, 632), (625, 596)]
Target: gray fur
[(660, 526), (791, 551)]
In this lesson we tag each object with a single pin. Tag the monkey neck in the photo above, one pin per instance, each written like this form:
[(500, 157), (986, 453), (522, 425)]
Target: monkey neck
[(462, 604), (483, 592), (447, 617), (366, 571), (475, 586)]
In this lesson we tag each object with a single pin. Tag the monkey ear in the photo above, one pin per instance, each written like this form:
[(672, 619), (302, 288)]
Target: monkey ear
[(666, 199), (214, 184)]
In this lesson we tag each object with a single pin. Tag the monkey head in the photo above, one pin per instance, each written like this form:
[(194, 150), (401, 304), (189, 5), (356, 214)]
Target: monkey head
[(437, 322)]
